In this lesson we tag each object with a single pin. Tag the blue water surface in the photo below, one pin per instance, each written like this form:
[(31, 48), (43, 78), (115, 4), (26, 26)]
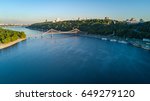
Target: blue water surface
[(69, 59)]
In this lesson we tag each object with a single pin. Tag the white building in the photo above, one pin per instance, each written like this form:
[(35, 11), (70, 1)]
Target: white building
[(106, 18), (146, 40), (132, 21), (57, 20)]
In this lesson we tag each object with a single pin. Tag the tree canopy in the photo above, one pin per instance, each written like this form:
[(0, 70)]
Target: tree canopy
[(7, 36), (99, 26)]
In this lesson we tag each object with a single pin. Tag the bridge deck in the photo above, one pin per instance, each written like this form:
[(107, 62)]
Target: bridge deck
[(52, 31)]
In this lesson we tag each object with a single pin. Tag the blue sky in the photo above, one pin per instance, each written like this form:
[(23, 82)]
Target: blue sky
[(30, 11)]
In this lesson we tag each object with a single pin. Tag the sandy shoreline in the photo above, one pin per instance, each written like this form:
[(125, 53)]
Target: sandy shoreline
[(2, 46)]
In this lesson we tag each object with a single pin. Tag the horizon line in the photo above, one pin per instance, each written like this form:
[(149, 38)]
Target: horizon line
[(63, 19)]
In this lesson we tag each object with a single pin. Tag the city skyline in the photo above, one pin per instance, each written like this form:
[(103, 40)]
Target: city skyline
[(27, 11)]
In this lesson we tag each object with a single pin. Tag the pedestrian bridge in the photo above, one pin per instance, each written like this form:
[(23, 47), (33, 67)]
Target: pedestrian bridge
[(53, 31), (50, 33)]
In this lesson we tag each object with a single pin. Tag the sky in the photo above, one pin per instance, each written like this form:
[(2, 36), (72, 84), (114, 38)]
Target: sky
[(32, 11)]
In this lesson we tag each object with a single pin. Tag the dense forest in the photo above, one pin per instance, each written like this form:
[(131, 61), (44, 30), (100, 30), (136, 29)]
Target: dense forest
[(99, 26), (7, 36)]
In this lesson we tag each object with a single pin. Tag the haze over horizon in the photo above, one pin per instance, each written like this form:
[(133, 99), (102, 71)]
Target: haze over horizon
[(31, 11)]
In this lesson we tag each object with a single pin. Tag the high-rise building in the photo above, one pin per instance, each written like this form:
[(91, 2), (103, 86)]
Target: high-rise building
[(46, 20), (79, 18), (106, 18), (141, 21)]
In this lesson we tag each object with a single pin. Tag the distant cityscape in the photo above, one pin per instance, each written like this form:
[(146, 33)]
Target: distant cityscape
[(128, 21), (14, 24), (132, 20)]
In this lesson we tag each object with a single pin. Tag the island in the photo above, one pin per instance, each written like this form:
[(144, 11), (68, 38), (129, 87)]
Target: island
[(128, 32), (9, 37)]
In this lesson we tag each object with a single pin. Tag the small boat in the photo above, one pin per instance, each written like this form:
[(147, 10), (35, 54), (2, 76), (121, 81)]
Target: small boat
[(136, 44), (146, 47), (104, 38), (124, 42), (113, 40), (148, 43)]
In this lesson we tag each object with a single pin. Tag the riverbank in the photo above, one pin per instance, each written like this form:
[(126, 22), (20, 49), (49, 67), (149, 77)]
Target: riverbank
[(130, 41), (134, 42), (2, 46)]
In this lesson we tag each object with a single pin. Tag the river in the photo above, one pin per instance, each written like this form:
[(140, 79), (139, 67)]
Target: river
[(69, 59)]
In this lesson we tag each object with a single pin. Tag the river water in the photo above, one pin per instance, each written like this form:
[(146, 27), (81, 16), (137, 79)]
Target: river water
[(69, 59)]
